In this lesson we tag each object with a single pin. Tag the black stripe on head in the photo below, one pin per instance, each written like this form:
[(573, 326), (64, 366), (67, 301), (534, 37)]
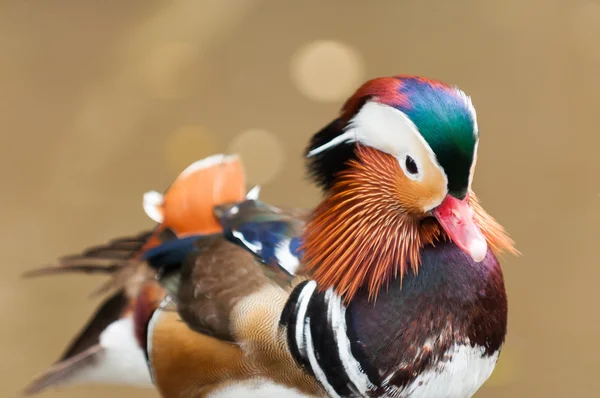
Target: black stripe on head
[(325, 166)]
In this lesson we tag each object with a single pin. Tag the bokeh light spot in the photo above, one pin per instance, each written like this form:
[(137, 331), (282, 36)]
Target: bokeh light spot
[(262, 154), (188, 144), (326, 70)]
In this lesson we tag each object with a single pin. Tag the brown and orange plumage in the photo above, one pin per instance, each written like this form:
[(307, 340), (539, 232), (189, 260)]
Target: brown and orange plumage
[(365, 231)]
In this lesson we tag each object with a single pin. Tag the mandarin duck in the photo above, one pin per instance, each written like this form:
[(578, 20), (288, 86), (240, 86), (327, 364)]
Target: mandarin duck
[(108, 350), (390, 287)]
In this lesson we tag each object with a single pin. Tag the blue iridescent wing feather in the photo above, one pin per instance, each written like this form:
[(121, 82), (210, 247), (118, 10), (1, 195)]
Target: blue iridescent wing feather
[(269, 233), (171, 252)]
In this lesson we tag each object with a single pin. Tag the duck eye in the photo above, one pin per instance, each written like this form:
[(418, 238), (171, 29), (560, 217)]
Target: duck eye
[(411, 165)]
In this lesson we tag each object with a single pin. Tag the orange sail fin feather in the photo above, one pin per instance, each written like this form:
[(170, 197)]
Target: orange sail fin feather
[(187, 206), (359, 236)]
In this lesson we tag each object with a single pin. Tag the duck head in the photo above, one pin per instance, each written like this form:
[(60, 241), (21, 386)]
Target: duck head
[(396, 167)]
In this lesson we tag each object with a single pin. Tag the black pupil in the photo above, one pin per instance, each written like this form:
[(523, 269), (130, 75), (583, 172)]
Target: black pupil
[(411, 166)]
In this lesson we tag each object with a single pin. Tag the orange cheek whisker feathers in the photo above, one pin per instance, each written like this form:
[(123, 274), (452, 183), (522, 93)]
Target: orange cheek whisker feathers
[(360, 236), (495, 234)]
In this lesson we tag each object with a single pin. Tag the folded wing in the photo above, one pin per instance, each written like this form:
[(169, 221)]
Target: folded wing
[(270, 233)]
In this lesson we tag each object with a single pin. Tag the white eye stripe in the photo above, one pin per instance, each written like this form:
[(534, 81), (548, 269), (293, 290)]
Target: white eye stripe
[(347, 136), (391, 131), (384, 128)]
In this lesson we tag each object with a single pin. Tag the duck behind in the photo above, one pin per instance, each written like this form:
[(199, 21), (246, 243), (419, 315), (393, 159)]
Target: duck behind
[(110, 348)]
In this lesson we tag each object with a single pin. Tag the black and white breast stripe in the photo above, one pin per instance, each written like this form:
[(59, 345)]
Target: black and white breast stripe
[(319, 339)]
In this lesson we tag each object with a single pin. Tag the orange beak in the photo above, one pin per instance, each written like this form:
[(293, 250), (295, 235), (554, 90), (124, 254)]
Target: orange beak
[(456, 218)]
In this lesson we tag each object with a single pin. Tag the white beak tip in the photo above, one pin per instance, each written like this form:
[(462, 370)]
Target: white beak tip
[(478, 250)]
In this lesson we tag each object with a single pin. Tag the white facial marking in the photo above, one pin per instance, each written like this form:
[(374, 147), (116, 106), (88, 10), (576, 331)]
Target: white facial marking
[(344, 137), (389, 130), (152, 202)]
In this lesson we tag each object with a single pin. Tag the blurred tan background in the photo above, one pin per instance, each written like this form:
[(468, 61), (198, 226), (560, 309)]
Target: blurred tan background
[(101, 101)]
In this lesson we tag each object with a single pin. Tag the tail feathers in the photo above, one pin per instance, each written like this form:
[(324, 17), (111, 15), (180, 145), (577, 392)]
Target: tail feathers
[(120, 248), (123, 277), (109, 253), (123, 248), (84, 266), (65, 372), (115, 359), (111, 310), (105, 351), (103, 259)]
